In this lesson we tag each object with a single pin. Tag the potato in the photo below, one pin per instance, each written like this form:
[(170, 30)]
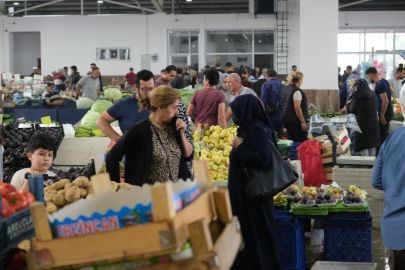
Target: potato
[(114, 185), (65, 180), (83, 192), (59, 199), (125, 186), (47, 188), (58, 185), (62, 191), (68, 185), (51, 207), (81, 182), (49, 195), (73, 194), (90, 195), (89, 188)]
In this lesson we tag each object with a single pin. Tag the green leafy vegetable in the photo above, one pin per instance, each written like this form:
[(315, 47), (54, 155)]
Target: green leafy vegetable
[(101, 106)]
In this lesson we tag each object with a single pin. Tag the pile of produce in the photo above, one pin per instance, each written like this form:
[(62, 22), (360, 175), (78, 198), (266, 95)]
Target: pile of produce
[(8, 119), (313, 195), (218, 147), (54, 132), (279, 199), (14, 137), (186, 95), (88, 126), (13, 201), (112, 94), (101, 106), (84, 103), (328, 114), (64, 192), (72, 173), (354, 195)]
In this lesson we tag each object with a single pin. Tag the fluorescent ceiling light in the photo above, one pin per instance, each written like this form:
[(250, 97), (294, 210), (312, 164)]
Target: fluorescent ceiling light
[(245, 36), (16, 3), (100, 2), (189, 0)]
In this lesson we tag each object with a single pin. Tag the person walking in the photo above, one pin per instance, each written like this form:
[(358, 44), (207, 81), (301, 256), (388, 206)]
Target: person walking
[(252, 146), (271, 94), (295, 112), (89, 86), (383, 94), (363, 104), (388, 176)]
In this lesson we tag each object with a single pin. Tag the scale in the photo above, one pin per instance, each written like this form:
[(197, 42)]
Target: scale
[(341, 161)]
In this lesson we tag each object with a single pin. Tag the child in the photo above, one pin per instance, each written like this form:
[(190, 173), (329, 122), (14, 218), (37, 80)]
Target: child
[(40, 153)]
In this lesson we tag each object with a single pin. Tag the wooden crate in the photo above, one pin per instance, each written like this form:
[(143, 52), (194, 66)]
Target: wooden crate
[(166, 234)]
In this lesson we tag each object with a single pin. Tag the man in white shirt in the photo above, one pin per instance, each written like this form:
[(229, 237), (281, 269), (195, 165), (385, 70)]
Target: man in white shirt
[(396, 82), (402, 100)]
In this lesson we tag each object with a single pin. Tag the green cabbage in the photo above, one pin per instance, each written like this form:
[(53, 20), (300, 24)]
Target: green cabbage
[(101, 106), (84, 103), (112, 94), (89, 120)]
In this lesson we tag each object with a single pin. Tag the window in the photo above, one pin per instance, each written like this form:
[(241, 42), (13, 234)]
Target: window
[(356, 46), (183, 48), (240, 47), (113, 54)]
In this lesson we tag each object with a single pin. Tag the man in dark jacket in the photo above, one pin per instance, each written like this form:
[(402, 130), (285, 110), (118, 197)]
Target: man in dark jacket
[(271, 94), (257, 87), (178, 82)]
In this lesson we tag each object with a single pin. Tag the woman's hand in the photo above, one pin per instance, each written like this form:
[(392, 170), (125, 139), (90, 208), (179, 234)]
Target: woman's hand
[(304, 126), (180, 125), (237, 141)]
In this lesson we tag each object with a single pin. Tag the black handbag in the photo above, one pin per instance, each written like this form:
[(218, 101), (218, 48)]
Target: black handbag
[(264, 183), (272, 108)]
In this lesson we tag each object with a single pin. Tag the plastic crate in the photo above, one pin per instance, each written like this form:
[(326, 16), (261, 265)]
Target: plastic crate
[(88, 170), (37, 102), (376, 208), (348, 240), (343, 266), (290, 234), (360, 177)]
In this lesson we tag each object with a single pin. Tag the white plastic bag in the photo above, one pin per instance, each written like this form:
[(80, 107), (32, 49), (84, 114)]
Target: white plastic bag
[(68, 130)]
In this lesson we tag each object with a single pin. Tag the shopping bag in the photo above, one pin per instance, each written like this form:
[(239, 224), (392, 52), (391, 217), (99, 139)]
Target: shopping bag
[(315, 174)]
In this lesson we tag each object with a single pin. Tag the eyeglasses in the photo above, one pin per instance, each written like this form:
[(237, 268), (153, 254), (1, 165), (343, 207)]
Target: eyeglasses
[(146, 89)]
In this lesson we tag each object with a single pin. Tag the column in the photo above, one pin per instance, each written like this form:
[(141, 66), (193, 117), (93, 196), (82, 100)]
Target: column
[(318, 52)]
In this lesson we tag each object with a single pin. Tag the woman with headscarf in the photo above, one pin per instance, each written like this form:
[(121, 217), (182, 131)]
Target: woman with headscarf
[(363, 104), (252, 146)]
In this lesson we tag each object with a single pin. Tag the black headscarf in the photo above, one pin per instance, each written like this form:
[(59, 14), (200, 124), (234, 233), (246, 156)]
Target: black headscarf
[(248, 110)]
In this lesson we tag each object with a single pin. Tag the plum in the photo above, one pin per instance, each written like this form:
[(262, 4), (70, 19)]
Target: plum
[(348, 202), (318, 201), (332, 200), (310, 202), (349, 198), (320, 196), (356, 199), (327, 197), (325, 201)]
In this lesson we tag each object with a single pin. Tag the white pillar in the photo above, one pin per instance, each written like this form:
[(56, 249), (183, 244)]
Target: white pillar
[(319, 25)]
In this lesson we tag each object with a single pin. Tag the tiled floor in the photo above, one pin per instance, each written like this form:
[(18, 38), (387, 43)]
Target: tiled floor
[(379, 251)]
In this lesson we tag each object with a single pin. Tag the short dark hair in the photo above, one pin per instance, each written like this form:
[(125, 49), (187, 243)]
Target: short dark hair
[(212, 76), (92, 64), (170, 68), (131, 69), (349, 67), (51, 84), (228, 64), (271, 73), (371, 70), (401, 65), (65, 68), (399, 69), (250, 71), (293, 66), (163, 70), (143, 75), (218, 64), (179, 71), (41, 140), (74, 68), (207, 66)]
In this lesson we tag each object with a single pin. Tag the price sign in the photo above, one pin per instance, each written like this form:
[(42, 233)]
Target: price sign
[(199, 146), (46, 120)]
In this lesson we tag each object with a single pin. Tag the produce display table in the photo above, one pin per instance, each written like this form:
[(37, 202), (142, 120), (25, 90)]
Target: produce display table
[(79, 151), (63, 116)]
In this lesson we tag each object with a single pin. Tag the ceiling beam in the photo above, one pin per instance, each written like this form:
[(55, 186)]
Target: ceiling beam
[(353, 3), (36, 7), (35, 4), (139, 5), (108, 7), (181, 9), (157, 5), (128, 5)]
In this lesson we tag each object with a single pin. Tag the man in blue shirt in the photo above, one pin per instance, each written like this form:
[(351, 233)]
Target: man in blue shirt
[(272, 94), (383, 94), (126, 111), (388, 176)]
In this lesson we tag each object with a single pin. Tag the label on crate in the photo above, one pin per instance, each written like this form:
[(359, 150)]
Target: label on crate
[(20, 228), (46, 120)]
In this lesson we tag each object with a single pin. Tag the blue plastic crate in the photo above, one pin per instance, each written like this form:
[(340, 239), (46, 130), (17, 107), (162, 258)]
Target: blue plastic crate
[(290, 234), (348, 240), (40, 102)]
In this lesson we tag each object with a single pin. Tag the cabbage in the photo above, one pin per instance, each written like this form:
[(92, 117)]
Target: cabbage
[(89, 120), (101, 106), (84, 103), (113, 94)]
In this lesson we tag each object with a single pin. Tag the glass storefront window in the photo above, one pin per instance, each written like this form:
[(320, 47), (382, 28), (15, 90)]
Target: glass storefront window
[(229, 41)]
